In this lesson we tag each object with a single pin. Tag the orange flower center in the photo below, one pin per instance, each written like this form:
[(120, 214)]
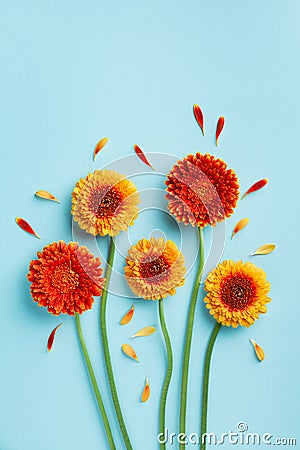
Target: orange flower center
[(104, 202), (64, 279), (237, 293), (153, 268)]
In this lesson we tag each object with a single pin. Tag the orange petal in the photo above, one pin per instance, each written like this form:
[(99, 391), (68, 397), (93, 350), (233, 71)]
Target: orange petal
[(199, 117), (99, 146), (146, 392), (256, 186), (258, 350), (129, 351), (220, 126), (127, 316), (51, 337), (139, 152), (239, 226), (146, 331), (47, 196), (264, 249), (26, 227)]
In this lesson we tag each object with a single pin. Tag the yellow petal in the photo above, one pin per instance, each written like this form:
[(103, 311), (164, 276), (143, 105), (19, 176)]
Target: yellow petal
[(99, 146), (127, 316), (146, 331), (258, 350), (129, 351), (146, 392), (46, 195), (264, 249), (239, 226)]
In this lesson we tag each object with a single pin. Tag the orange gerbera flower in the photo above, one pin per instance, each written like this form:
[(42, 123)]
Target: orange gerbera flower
[(104, 202), (201, 190), (64, 278), (154, 268), (237, 293)]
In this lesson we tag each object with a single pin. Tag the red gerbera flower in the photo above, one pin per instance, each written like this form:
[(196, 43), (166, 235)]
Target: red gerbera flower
[(64, 278), (201, 190)]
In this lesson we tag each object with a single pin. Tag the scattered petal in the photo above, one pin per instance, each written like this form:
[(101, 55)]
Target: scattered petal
[(258, 350), (264, 249), (26, 227), (51, 337), (47, 196), (199, 117), (129, 351), (146, 392), (220, 126), (99, 146), (239, 226), (146, 331), (127, 316), (256, 186), (142, 156)]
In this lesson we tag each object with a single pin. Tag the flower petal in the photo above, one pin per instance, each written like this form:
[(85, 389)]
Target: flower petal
[(239, 226), (258, 350), (146, 392), (99, 146), (130, 352), (127, 316), (26, 227), (256, 186), (46, 195), (51, 337), (264, 249), (141, 155), (146, 331), (220, 126), (199, 117)]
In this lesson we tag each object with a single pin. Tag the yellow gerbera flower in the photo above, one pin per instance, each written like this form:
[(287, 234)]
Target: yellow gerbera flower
[(154, 268), (105, 202), (237, 293)]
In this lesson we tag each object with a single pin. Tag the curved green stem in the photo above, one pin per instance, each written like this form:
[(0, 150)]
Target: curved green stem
[(105, 345), (165, 388), (205, 386), (94, 383), (188, 339)]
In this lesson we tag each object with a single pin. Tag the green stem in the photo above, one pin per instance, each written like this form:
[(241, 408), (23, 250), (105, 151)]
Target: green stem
[(94, 383), (205, 386), (165, 388), (188, 339), (105, 345)]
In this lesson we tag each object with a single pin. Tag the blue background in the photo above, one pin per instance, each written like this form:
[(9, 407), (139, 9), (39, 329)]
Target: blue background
[(73, 72)]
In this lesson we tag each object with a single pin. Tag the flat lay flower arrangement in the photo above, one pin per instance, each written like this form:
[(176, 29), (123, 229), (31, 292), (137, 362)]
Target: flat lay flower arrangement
[(65, 278)]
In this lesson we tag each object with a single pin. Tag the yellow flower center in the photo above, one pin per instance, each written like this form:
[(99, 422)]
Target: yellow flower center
[(237, 293), (64, 279), (153, 268)]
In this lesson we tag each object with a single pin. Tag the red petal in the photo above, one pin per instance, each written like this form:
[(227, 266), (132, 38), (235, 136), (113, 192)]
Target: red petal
[(220, 126), (51, 337), (199, 117), (142, 156), (256, 186), (26, 227)]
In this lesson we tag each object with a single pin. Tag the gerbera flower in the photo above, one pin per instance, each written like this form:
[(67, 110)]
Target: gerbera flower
[(201, 190), (154, 268), (237, 293), (64, 278), (104, 202)]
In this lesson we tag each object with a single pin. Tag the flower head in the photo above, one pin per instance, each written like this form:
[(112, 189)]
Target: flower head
[(64, 278), (201, 190), (154, 268), (237, 293), (104, 202)]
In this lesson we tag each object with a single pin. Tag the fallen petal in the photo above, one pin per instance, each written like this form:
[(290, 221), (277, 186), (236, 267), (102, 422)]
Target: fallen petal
[(256, 186), (220, 126), (129, 351), (199, 117), (239, 226), (146, 331), (258, 350), (51, 337), (47, 196), (141, 155), (127, 316), (26, 227), (264, 249), (146, 392), (99, 146)]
